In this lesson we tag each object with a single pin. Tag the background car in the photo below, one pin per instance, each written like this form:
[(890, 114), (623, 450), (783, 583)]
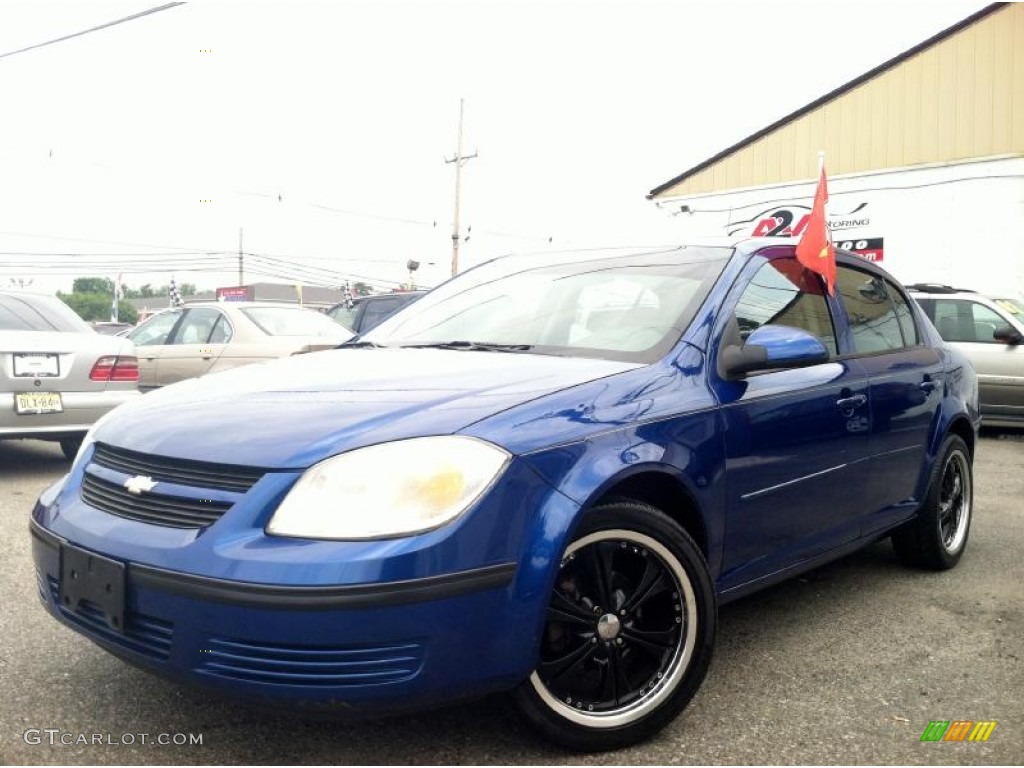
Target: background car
[(368, 312), (202, 338), (989, 330), (57, 375), (543, 477), (111, 328)]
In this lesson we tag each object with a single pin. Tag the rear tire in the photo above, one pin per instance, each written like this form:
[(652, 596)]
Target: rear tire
[(937, 537), (629, 634)]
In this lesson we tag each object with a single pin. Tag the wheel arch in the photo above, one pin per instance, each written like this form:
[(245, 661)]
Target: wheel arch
[(663, 489), (962, 428)]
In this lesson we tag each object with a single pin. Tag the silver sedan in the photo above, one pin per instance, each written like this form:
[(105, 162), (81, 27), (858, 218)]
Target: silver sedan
[(203, 338), (57, 375)]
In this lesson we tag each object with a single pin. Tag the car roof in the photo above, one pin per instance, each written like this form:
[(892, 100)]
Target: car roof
[(246, 304), (938, 289)]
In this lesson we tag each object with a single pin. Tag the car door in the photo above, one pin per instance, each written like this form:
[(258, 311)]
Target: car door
[(969, 326), (794, 438), (151, 343), (198, 341), (906, 382)]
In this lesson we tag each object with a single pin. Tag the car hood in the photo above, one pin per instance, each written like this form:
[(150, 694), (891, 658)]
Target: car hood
[(293, 412)]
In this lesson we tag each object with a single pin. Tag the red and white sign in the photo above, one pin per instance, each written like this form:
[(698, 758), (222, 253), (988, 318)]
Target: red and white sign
[(235, 293), (870, 248)]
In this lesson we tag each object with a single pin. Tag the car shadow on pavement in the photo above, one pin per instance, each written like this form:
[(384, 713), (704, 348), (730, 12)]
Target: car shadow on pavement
[(28, 459)]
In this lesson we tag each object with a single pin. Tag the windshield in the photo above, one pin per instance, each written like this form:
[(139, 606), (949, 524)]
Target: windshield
[(31, 312), (1014, 306), (294, 321), (623, 305), (345, 315)]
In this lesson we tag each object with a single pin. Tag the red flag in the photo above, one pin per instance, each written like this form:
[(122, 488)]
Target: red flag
[(815, 250)]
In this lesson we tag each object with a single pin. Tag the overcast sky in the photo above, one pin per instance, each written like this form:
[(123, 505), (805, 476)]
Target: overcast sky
[(321, 129)]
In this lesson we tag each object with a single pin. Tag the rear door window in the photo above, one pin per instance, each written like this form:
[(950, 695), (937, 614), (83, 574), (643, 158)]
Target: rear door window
[(904, 315), (871, 310)]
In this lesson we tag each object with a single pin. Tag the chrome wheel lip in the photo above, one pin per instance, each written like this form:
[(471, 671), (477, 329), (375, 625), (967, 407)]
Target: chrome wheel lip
[(677, 667), (954, 542)]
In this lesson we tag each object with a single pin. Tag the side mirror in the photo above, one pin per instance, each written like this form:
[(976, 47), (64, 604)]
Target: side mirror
[(1008, 335), (771, 347)]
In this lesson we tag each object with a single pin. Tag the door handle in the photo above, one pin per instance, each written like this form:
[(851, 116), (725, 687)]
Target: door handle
[(851, 402), (929, 385), (206, 357)]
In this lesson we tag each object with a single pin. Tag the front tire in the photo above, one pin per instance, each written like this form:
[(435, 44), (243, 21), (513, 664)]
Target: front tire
[(70, 445), (937, 537), (629, 633)]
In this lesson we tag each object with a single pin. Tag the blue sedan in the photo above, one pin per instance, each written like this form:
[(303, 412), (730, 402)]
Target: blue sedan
[(543, 478)]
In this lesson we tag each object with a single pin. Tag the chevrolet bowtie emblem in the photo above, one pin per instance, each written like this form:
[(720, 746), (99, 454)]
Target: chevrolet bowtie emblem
[(140, 484)]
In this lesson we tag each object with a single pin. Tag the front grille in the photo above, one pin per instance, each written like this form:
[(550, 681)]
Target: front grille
[(204, 474), (143, 634), (153, 508), (311, 665)]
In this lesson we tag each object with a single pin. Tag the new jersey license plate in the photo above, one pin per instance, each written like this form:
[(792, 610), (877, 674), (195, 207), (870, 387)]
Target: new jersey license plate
[(38, 402)]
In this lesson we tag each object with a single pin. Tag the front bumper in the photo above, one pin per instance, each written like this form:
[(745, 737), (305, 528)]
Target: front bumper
[(423, 635)]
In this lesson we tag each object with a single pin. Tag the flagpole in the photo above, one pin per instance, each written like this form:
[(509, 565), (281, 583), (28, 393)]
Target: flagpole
[(821, 170)]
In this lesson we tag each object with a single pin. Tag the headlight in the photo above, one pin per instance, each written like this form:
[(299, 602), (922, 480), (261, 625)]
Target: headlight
[(391, 489)]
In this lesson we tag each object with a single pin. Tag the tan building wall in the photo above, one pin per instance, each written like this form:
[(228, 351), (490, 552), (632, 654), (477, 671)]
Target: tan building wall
[(962, 97)]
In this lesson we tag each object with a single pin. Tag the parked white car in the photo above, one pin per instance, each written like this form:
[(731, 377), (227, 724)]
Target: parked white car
[(57, 375), (989, 329)]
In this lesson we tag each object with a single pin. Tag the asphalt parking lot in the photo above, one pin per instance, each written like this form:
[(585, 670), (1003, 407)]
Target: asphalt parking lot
[(847, 664)]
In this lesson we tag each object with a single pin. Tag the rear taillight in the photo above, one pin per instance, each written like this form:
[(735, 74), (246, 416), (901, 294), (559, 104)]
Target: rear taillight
[(115, 368)]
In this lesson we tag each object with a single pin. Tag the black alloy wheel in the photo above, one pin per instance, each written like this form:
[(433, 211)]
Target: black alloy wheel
[(628, 631), (937, 537)]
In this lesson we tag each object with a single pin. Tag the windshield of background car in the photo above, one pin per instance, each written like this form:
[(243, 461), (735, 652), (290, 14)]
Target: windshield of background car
[(622, 305), (345, 315), (1014, 306), (39, 313), (294, 321)]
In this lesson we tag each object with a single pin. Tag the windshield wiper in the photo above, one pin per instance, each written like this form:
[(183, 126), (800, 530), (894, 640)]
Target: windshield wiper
[(476, 346)]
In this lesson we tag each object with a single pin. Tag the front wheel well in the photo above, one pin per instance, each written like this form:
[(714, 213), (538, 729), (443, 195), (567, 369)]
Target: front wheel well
[(665, 493)]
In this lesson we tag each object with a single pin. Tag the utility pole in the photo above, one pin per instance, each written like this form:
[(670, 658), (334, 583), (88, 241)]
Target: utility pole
[(241, 280), (459, 161)]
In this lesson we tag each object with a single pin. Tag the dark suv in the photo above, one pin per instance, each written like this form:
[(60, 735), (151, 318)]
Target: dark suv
[(367, 312)]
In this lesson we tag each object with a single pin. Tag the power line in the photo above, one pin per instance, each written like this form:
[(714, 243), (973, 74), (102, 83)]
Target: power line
[(190, 248), (92, 29)]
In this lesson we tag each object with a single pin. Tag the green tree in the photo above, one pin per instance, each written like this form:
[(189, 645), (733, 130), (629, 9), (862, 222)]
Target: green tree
[(126, 313), (89, 306), (91, 298), (93, 285)]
